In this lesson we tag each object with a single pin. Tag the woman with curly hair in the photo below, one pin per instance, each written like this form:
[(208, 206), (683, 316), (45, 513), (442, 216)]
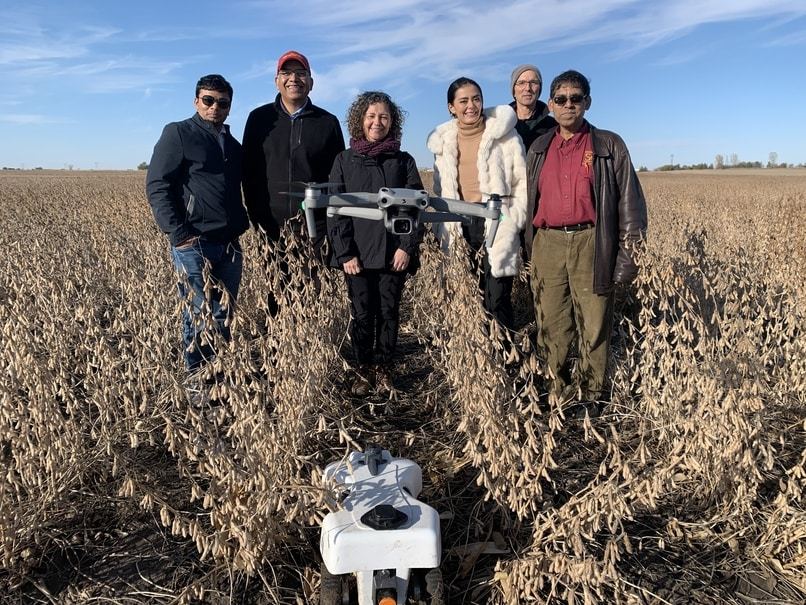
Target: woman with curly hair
[(375, 262)]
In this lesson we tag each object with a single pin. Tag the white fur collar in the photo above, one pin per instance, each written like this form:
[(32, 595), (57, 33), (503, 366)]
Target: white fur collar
[(498, 121)]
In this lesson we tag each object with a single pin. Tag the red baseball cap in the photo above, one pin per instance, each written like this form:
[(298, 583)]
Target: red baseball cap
[(292, 55)]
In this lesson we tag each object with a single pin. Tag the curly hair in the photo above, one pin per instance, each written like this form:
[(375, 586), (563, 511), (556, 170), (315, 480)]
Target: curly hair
[(356, 112)]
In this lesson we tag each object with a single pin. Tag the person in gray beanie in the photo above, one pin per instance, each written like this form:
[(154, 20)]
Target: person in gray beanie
[(526, 84)]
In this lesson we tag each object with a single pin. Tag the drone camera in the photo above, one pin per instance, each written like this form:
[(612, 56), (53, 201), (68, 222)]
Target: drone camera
[(402, 226), (401, 220)]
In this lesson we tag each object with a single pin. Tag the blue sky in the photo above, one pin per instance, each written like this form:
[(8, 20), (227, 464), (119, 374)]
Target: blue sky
[(91, 83)]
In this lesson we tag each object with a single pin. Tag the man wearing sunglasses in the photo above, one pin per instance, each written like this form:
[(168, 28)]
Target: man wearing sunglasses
[(587, 213), (287, 143), (194, 188)]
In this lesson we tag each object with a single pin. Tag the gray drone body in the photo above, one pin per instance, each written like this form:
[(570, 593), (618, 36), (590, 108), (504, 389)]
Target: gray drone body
[(401, 210)]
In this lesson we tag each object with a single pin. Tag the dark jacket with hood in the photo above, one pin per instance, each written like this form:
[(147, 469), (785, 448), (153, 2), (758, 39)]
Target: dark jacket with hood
[(193, 186), (280, 154), (531, 128), (621, 216), (365, 238)]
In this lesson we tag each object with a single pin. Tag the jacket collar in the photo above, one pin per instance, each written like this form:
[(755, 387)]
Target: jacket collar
[(498, 122), (543, 142), (278, 103), (207, 126), (540, 112)]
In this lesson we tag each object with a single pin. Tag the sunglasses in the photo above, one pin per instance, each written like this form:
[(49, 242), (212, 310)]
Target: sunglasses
[(563, 99), (209, 100)]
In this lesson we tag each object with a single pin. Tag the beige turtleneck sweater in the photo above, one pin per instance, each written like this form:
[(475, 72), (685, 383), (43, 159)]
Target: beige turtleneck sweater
[(469, 138)]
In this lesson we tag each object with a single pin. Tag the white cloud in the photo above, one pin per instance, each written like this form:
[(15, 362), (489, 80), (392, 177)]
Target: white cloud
[(31, 118), (401, 40), (792, 39)]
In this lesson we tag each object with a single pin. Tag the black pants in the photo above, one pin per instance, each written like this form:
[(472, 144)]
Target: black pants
[(375, 303), (497, 290)]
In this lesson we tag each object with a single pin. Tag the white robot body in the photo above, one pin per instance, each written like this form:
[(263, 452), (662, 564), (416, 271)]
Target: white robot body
[(382, 531)]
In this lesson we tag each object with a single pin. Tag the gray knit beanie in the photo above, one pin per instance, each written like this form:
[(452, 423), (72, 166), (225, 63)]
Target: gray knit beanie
[(518, 71)]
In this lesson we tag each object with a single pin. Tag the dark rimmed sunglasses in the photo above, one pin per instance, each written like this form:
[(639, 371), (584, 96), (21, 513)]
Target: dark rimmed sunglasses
[(563, 99), (208, 101)]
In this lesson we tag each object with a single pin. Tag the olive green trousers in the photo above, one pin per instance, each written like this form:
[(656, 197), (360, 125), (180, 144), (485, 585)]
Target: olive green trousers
[(568, 310)]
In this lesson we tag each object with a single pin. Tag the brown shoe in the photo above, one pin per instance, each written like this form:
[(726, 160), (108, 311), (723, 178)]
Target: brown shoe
[(384, 382), (359, 386)]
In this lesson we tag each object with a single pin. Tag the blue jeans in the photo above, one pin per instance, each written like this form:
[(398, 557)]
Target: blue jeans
[(226, 264)]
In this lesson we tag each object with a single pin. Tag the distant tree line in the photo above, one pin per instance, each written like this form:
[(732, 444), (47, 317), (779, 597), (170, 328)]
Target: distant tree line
[(732, 162)]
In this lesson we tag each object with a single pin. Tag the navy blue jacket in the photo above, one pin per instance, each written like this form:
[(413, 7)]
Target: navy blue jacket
[(194, 187)]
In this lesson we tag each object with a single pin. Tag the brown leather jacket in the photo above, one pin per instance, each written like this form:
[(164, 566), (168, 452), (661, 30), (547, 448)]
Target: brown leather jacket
[(621, 219)]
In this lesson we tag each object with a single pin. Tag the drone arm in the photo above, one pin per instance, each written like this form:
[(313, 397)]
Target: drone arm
[(373, 214), (442, 217), (463, 208)]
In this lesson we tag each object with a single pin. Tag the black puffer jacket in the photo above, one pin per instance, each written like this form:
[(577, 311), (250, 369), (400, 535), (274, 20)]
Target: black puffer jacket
[(279, 153), (368, 239), (194, 187), (621, 216)]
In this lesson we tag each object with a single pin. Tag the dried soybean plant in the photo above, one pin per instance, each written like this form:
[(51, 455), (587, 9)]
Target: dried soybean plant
[(92, 400), (689, 487), (504, 429), (707, 413)]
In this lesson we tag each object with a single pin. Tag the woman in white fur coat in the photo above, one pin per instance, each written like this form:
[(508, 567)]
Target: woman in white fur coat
[(477, 153)]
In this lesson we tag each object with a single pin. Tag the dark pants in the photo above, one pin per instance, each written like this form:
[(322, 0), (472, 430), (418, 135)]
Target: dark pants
[(225, 263), (497, 290), (375, 303)]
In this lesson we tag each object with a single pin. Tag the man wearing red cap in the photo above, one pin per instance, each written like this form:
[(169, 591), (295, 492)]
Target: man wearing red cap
[(286, 143)]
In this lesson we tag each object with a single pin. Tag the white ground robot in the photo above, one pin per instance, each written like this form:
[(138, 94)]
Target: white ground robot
[(383, 546)]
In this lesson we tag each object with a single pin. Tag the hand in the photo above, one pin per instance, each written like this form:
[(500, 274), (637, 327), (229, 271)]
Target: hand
[(400, 261), (352, 266), (188, 242)]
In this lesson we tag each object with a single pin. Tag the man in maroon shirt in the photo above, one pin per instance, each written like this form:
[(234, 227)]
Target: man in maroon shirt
[(588, 213)]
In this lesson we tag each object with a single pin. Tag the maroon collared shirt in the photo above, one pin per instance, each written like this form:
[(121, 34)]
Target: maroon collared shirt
[(566, 181)]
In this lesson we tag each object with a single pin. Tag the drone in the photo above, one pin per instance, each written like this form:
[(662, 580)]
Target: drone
[(401, 210)]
